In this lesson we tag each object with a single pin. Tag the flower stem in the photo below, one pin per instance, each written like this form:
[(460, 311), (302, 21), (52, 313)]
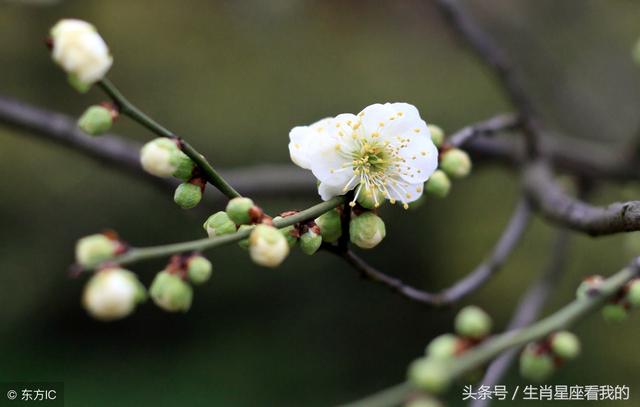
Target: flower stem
[(129, 109), (494, 346), (134, 255)]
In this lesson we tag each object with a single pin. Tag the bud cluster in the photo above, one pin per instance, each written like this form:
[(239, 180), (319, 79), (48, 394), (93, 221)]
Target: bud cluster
[(540, 359), (618, 307), (430, 373), (170, 289)]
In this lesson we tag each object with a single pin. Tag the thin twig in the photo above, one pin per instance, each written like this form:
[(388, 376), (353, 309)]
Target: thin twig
[(495, 124), (473, 281), (528, 310)]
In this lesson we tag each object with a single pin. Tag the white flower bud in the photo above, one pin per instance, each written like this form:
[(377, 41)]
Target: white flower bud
[(162, 157), (94, 249), (267, 246), (367, 230), (80, 51), (112, 294)]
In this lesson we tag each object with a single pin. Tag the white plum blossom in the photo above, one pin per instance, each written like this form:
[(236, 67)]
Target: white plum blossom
[(112, 294), (385, 149), (80, 50)]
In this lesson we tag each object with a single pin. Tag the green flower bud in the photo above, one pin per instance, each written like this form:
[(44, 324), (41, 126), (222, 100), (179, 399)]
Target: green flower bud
[(368, 198), (112, 294), (199, 269), (95, 249), (633, 292), (456, 163), (171, 293), (565, 344), (244, 243), (587, 285), (614, 313), (443, 347), (330, 226), (536, 366), (162, 157), (473, 322), (310, 242), (187, 195), (289, 233), (238, 210), (438, 184), (267, 246), (367, 230), (77, 84), (437, 134), (219, 224), (95, 120), (430, 375), (423, 401)]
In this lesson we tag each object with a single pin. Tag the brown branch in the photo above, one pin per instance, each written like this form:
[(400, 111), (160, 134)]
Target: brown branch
[(557, 206), (493, 125), (493, 56), (473, 281)]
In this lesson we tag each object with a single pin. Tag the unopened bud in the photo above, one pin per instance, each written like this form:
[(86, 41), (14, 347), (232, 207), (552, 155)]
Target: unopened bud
[(238, 210), (219, 224), (438, 184), (536, 365), (162, 157), (565, 344), (187, 195), (472, 322), (199, 269), (443, 347), (267, 246), (95, 120), (310, 242), (112, 294), (456, 163), (330, 226), (633, 292), (95, 249), (614, 313), (430, 375), (370, 197), (437, 134), (170, 292), (367, 230), (588, 286), (244, 243)]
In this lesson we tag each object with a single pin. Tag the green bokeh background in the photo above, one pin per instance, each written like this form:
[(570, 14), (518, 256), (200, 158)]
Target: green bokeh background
[(233, 77)]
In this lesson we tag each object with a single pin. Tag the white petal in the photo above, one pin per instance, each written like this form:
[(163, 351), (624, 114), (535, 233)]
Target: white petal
[(375, 117), (405, 192), (420, 156), (327, 191), (299, 146)]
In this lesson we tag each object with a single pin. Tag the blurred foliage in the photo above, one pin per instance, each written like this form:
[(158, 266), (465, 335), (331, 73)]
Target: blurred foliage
[(234, 77)]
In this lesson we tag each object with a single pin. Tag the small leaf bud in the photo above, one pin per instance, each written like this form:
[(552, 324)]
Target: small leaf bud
[(438, 184), (455, 163), (588, 285), (310, 242), (443, 347), (95, 249), (170, 292), (112, 294), (198, 269), (238, 210), (267, 246), (614, 313), (219, 224), (330, 226), (429, 375), (367, 230), (187, 195), (565, 345), (96, 120), (473, 322), (437, 134), (535, 365)]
